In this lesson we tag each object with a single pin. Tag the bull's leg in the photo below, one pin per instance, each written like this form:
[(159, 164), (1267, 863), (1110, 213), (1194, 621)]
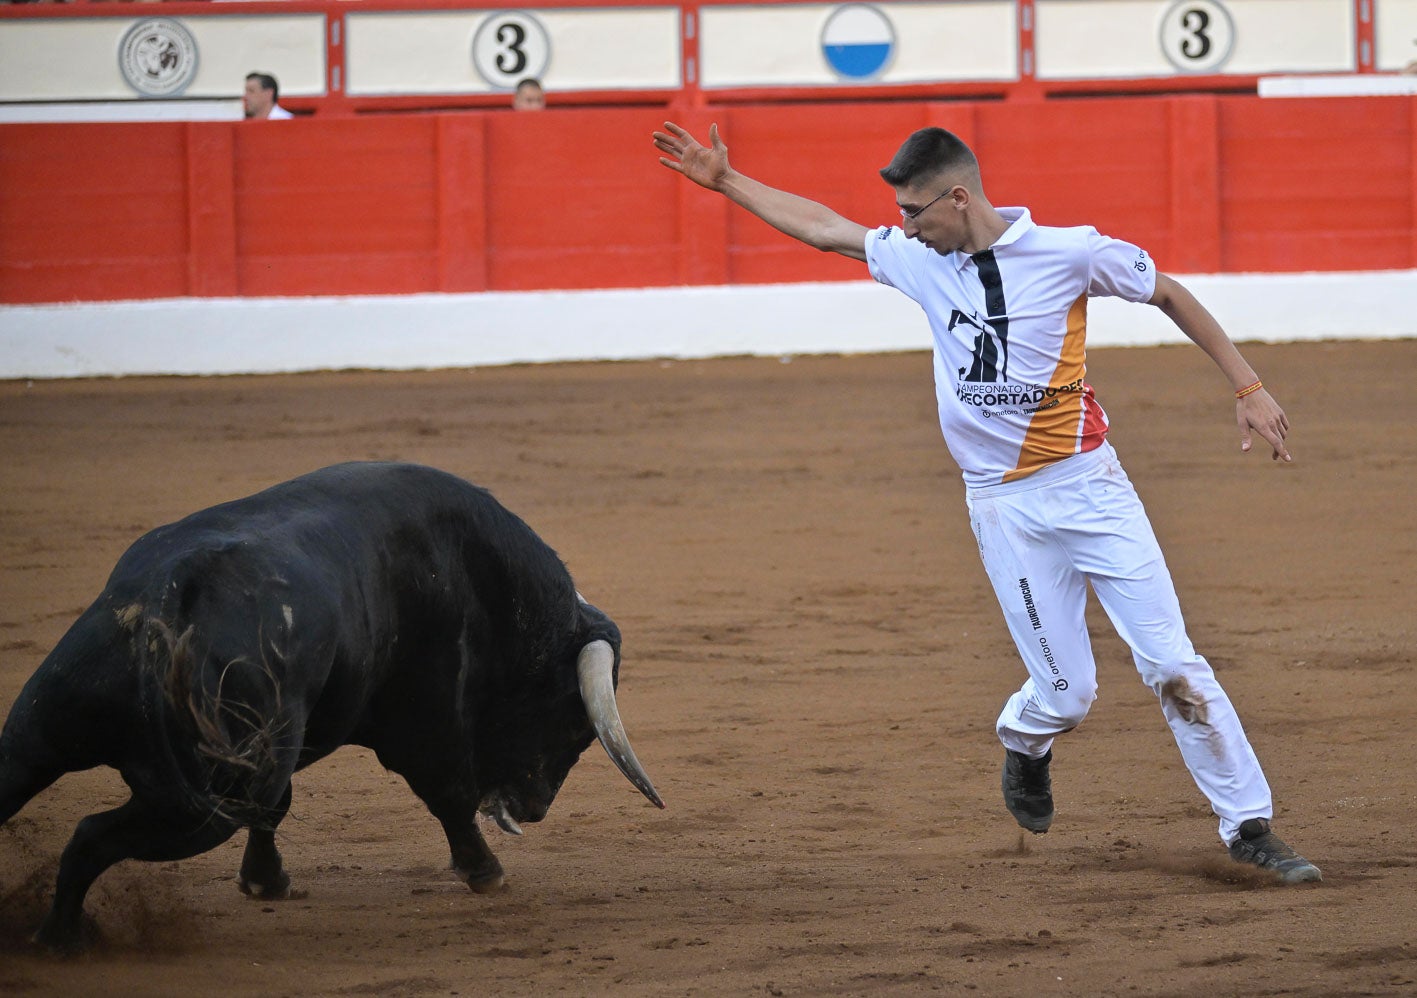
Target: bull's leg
[(137, 830), (262, 872), (471, 858), (457, 812)]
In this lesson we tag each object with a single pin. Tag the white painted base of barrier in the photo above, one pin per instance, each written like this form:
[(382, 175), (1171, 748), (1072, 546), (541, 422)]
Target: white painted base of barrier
[(272, 335)]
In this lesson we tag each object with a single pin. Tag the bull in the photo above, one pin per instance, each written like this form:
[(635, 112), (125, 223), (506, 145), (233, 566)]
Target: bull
[(387, 605)]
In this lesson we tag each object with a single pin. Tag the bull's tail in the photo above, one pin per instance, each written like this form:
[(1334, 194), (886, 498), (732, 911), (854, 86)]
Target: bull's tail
[(49, 730), (20, 779), (230, 714)]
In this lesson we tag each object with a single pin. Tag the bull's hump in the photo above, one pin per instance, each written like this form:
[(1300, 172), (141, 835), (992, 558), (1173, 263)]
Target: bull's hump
[(354, 499), (398, 490), (362, 517)]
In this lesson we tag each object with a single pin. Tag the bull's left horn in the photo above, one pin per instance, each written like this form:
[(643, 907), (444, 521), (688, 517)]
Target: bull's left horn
[(595, 668)]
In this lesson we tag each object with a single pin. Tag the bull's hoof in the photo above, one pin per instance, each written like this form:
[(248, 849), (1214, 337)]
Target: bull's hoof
[(277, 891), (67, 940), (485, 882)]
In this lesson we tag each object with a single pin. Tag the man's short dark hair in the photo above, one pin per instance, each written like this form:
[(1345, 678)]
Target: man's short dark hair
[(928, 153), (267, 82)]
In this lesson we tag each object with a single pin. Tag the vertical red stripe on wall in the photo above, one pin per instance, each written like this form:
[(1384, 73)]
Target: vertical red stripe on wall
[(691, 65), (1027, 87), (702, 218), (211, 209), (1412, 178), (336, 101), (1195, 187), (461, 152), (1364, 37)]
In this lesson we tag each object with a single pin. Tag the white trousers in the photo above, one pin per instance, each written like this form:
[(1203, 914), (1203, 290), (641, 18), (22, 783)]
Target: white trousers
[(1043, 539)]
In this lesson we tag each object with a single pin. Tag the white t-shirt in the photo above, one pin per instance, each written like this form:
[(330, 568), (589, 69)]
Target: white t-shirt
[(278, 113), (1010, 329)]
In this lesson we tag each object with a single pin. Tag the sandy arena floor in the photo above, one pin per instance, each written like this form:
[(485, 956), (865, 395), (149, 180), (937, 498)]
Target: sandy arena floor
[(813, 664)]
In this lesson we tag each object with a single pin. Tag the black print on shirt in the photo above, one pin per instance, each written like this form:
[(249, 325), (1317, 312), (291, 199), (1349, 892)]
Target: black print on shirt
[(991, 343), (986, 348)]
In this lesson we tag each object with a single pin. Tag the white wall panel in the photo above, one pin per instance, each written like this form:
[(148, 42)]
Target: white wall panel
[(77, 58), (427, 52), (767, 45), (1110, 39), (1395, 24)]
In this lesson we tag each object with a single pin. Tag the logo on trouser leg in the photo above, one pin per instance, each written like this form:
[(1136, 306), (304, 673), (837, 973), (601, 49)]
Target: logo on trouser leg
[(1059, 684), (1028, 606)]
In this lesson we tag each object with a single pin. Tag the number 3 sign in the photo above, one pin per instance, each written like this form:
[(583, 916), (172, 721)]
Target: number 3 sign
[(508, 47), (1197, 35)]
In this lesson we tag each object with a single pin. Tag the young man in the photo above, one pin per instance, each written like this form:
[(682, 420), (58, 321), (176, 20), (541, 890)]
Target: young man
[(260, 98), (1051, 507)]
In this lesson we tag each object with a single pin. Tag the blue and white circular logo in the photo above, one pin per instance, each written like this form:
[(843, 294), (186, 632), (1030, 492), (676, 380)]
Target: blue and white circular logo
[(858, 41), (158, 57)]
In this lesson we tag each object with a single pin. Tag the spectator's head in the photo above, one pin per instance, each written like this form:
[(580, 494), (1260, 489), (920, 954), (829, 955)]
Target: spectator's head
[(529, 96), (262, 92)]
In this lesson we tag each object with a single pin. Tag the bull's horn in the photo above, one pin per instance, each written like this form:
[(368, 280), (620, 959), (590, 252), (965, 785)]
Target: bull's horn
[(595, 668), (496, 809)]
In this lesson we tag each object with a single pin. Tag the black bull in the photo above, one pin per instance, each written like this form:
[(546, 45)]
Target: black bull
[(385, 605)]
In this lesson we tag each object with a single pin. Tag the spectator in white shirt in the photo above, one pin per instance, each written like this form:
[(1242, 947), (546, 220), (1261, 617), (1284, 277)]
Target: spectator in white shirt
[(260, 99)]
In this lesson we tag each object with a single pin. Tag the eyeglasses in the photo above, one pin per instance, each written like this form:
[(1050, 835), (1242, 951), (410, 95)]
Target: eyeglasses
[(913, 215)]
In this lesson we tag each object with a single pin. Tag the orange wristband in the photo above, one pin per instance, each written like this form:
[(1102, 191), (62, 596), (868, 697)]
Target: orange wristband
[(1250, 390)]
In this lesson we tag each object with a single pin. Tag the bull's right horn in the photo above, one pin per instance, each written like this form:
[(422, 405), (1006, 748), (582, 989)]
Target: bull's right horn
[(595, 669)]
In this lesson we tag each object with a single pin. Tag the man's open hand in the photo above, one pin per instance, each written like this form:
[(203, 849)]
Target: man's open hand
[(706, 166)]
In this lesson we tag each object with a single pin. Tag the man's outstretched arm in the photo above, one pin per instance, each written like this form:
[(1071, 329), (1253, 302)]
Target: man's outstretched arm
[(1256, 410), (802, 219)]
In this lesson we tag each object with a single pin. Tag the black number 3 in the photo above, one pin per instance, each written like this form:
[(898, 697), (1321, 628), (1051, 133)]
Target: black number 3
[(512, 59), (1194, 22)]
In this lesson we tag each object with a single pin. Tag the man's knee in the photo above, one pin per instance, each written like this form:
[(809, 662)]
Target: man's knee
[(1066, 701), (1070, 708)]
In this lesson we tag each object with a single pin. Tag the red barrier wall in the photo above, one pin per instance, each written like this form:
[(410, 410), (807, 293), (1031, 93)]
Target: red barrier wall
[(574, 198)]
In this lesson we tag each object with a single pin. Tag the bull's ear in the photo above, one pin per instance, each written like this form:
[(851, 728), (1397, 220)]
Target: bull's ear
[(596, 624), (595, 667)]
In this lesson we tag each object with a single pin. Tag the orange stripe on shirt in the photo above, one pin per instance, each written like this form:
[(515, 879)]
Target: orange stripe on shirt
[(1074, 423)]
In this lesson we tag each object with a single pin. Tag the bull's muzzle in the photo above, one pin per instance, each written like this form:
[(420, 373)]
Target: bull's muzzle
[(595, 667)]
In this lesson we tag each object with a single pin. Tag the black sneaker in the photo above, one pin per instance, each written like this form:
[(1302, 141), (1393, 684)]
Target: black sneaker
[(1028, 792), (1258, 846)]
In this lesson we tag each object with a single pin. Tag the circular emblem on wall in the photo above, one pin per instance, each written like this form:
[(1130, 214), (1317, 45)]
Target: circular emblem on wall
[(1197, 36), (158, 57), (509, 46), (858, 41)]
